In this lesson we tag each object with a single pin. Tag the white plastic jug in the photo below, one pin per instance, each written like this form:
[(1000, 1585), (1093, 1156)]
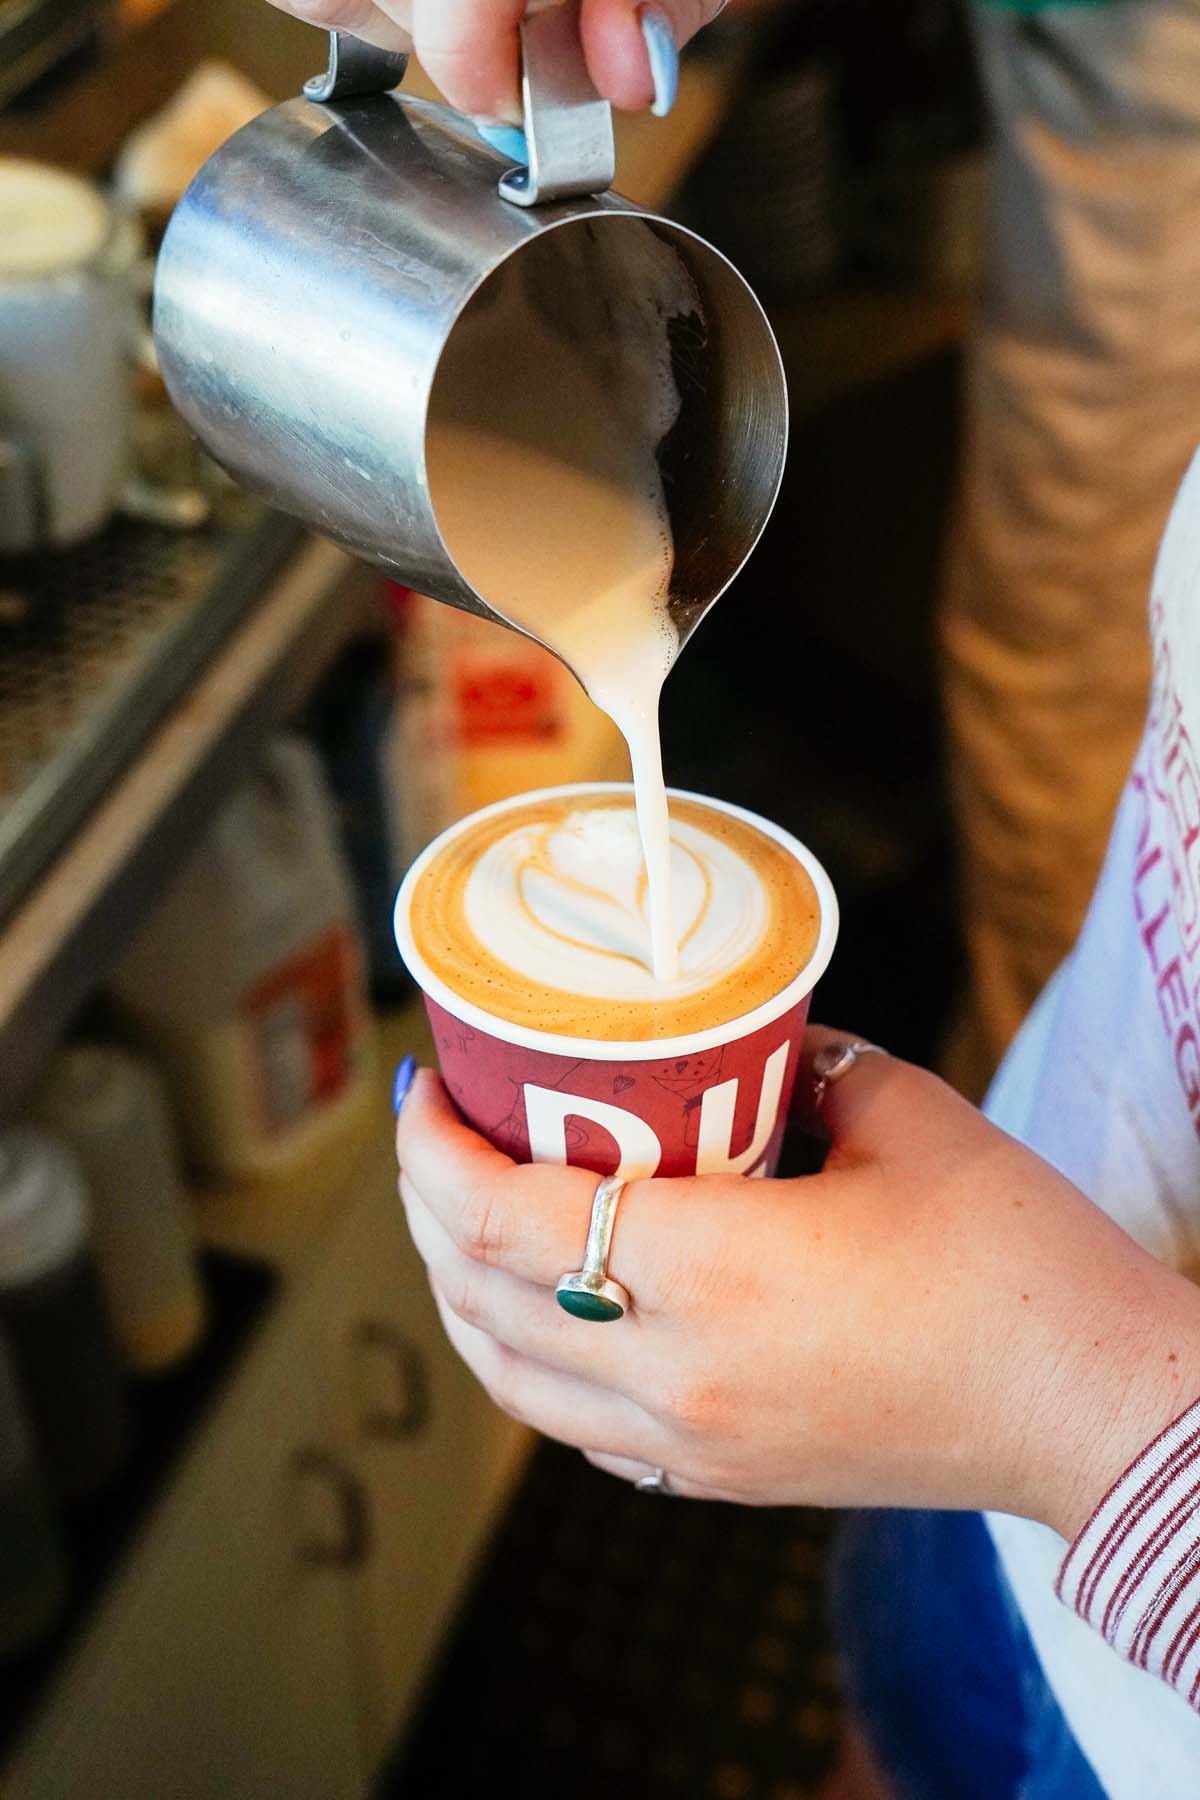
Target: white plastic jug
[(248, 984)]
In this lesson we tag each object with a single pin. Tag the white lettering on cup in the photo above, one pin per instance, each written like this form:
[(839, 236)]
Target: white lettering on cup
[(548, 1109), (713, 1149)]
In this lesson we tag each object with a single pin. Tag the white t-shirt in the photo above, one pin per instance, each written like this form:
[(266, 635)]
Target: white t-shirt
[(1104, 1081)]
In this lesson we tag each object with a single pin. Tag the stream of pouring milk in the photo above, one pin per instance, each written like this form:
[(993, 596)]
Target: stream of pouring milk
[(541, 457)]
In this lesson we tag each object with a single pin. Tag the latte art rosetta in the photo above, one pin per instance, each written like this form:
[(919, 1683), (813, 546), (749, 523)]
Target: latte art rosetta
[(565, 905), (538, 914)]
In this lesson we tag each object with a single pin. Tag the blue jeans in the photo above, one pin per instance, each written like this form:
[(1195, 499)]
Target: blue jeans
[(940, 1668)]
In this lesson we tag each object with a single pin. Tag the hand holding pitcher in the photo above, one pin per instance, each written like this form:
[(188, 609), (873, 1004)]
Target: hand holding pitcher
[(471, 48)]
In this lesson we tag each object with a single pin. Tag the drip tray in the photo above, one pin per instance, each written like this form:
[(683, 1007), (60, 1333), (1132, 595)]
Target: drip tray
[(96, 645)]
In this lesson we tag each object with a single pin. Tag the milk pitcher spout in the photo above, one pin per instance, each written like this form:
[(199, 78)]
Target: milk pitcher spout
[(323, 273)]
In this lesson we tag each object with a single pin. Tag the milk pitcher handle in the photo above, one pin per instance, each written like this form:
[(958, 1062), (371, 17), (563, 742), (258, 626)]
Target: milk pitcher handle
[(568, 127), (355, 69)]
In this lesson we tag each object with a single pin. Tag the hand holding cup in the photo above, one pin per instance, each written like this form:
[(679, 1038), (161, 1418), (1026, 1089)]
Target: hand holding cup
[(938, 1319)]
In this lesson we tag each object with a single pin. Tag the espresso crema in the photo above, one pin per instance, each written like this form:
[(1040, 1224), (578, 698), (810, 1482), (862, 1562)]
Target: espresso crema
[(538, 915)]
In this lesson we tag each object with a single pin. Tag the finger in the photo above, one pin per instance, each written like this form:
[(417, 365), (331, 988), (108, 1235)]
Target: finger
[(373, 24), (533, 1221), (870, 1108), (472, 50), (852, 1110), (632, 1472), (616, 44), (522, 1316), (559, 1406), (434, 1147)]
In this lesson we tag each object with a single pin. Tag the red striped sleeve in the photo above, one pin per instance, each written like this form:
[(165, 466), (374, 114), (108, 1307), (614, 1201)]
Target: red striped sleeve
[(1133, 1573)]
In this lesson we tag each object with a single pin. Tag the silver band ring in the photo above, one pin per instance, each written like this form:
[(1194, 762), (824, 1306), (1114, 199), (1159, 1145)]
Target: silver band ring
[(657, 1483), (588, 1293), (834, 1061)]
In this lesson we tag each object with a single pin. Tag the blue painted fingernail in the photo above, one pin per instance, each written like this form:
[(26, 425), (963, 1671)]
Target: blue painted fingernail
[(509, 140), (404, 1080), (663, 52)]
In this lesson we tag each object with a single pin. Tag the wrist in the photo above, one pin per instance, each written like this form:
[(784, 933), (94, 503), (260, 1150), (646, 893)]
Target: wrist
[(1132, 1367)]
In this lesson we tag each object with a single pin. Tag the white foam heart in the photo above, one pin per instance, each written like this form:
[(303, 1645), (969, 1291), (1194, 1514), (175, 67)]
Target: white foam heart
[(566, 907)]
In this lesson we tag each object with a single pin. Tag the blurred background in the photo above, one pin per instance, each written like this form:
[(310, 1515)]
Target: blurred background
[(259, 1534)]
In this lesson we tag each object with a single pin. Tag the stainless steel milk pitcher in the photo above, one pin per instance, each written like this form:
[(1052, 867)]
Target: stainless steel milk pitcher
[(315, 272)]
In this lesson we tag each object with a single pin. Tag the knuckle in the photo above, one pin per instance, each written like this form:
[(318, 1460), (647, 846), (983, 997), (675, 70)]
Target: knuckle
[(481, 1233), (697, 1408)]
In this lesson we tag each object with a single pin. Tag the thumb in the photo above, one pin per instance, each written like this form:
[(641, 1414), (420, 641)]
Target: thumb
[(633, 50)]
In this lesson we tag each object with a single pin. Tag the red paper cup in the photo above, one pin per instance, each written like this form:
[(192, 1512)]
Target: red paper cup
[(704, 1103)]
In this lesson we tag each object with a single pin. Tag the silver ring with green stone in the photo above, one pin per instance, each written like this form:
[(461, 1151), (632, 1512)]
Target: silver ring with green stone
[(589, 1293)]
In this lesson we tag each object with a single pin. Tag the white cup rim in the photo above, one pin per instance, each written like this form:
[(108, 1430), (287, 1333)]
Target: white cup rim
[(614, 1049)]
